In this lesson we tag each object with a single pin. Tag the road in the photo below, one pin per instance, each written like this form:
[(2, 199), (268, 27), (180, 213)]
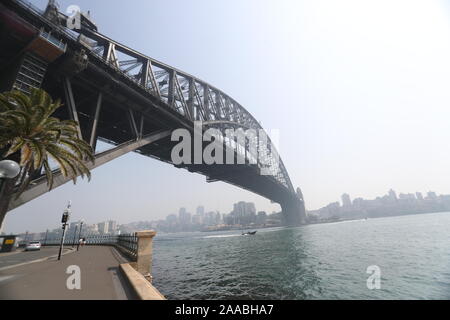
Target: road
[(100, 278), (18, 257)]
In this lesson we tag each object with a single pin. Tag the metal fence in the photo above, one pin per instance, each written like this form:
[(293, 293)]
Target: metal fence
[(127, 243)]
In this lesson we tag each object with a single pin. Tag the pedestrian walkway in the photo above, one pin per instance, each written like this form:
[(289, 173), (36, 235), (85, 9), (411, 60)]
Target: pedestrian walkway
[(47, 280)]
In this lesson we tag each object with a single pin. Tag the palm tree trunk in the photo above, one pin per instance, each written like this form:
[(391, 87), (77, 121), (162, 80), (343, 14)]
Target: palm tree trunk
[(6, 193)]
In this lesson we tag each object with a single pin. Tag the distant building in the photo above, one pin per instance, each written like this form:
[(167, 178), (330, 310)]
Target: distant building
[(103, 227), (171, 219), (333, 209), (358, 203), (209, 219), (184, 217), (261, 218), (73, 225), (112, 227), (218, 218), (419, 196), (201, 213), (91, 228), (346, 201), (244, 212), (244, 208), (392, 195), (431, 195), (196, 219), (408, 196)]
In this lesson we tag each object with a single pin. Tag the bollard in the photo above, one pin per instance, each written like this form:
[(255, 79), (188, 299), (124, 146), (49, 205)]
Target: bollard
[(144, 253)]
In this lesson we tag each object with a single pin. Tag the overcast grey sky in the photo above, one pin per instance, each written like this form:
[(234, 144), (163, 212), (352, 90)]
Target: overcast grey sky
[(358, 89)]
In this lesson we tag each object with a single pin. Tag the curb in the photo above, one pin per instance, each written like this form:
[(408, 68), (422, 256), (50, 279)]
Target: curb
[(37, 260), (141, 286)]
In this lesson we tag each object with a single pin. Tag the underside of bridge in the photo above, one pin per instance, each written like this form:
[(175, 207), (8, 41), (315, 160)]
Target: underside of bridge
[(135, 112)]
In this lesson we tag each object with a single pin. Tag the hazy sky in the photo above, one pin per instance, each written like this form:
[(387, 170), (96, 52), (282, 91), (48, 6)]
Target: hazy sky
[(358, 89)]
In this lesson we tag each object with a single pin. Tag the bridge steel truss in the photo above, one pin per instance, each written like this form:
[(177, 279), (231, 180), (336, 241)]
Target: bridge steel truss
[(193, 98), (132, 101)]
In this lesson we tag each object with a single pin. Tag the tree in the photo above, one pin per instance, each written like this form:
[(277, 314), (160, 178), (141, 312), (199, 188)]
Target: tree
[(30, 135)]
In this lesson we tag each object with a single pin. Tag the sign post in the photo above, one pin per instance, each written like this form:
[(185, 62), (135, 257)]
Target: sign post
[(64, 220)]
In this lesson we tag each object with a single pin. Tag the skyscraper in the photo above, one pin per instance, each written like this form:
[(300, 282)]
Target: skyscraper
[(392, 195), (201, 213), (103, 227), (112, 226), (184, 217), (244, 212), (346, 201), (200, 210)]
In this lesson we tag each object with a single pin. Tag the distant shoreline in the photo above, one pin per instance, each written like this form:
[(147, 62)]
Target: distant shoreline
[(320, 222), (242, 228)]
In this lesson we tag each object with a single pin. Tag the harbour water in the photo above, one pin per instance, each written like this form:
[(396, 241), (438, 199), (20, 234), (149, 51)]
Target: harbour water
[(321, 261)]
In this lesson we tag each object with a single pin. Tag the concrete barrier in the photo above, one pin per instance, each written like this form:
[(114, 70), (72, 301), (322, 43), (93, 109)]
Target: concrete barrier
[(143, 289), (144, 253)]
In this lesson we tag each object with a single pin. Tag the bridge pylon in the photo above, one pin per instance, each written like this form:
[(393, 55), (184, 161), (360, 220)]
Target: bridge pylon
[(294, 212)]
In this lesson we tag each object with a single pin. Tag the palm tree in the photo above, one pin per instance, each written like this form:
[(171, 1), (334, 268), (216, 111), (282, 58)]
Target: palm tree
[(28, 131)]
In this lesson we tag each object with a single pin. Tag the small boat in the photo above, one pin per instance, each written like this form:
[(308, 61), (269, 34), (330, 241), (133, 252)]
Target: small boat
[(249, 233)]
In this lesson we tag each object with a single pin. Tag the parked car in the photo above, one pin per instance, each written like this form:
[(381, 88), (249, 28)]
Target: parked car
[(33, 245)]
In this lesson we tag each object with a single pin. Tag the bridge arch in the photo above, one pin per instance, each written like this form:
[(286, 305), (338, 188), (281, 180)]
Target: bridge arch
[(133, 101)]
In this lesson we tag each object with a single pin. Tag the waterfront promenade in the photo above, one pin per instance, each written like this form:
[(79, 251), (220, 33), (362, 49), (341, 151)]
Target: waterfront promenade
[(46, 280)]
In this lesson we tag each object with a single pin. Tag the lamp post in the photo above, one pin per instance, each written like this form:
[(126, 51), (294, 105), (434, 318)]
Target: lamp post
[(45, 239), (74, 235), (64, 220), (79, 236)]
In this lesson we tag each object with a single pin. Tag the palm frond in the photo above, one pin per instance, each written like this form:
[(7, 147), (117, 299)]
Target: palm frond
[(27, 126)]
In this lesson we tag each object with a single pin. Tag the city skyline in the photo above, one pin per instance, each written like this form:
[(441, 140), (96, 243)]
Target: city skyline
[(349, 202), (346, 198), (387, 205)]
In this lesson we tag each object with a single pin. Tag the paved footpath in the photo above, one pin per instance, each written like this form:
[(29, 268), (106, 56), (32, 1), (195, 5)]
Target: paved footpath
[(47, 280)]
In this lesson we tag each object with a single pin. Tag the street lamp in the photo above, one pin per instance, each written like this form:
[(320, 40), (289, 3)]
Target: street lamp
[(9, 169)]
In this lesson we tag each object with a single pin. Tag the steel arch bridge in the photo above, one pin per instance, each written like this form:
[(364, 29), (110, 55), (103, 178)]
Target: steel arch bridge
[(128, 99)]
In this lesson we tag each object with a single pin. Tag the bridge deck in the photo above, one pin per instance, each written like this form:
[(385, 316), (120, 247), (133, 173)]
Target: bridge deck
[(100, 277)]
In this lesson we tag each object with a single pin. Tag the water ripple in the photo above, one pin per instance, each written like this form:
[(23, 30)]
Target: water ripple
[(327, 261)]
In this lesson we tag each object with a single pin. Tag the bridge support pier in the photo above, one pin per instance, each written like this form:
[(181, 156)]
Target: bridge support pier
[(294, 212)]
